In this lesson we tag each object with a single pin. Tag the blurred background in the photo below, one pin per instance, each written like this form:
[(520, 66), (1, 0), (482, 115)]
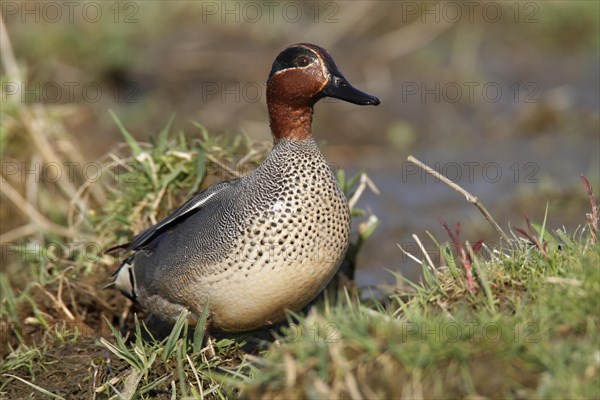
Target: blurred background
[(502, 97)]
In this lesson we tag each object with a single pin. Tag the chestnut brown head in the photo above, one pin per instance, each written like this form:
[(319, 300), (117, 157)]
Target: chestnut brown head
[(304, 73)]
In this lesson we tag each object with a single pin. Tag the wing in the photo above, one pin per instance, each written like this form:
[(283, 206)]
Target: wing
[(187, 209)]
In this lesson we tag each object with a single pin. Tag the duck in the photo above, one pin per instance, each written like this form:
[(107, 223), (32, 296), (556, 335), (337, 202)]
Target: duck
[(254, 248)]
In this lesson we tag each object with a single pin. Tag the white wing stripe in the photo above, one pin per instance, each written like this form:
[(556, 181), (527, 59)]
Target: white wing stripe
[(198, 204)]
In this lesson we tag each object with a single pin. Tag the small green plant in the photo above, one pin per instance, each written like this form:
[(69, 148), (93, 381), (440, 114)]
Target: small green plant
[(151, 364)]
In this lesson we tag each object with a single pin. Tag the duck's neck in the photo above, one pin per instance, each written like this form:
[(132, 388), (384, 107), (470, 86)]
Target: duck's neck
[(290, 121)]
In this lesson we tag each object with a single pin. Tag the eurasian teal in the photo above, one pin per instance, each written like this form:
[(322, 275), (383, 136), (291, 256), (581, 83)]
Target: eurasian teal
[(268, 242)]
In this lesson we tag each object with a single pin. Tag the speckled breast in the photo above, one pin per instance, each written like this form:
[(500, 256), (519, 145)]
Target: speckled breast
[(288, 248)]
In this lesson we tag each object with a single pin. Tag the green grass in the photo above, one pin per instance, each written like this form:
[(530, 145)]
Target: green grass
[(528, 328)]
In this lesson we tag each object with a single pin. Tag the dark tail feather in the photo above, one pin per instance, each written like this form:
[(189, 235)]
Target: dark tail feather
[(123, 246)]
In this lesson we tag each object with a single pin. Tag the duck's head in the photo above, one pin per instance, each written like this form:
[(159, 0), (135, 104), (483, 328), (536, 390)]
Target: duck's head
[(305, 73), (301, 75)]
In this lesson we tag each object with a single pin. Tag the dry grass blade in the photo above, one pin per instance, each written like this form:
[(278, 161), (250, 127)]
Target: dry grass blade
[(409, 255), (31, 212), (593, 217), (365, 182), (223, 166), (18, 233), (470, 198), (424, 251), (39, 389), (8, 56), (58, 303), (195, 372)]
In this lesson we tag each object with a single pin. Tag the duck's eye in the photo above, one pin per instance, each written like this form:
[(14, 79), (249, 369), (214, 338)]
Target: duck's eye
[(302, 61)]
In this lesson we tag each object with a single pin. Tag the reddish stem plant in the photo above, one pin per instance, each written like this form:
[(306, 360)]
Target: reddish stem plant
[(533, 237), (592, 217), (465, 256)]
